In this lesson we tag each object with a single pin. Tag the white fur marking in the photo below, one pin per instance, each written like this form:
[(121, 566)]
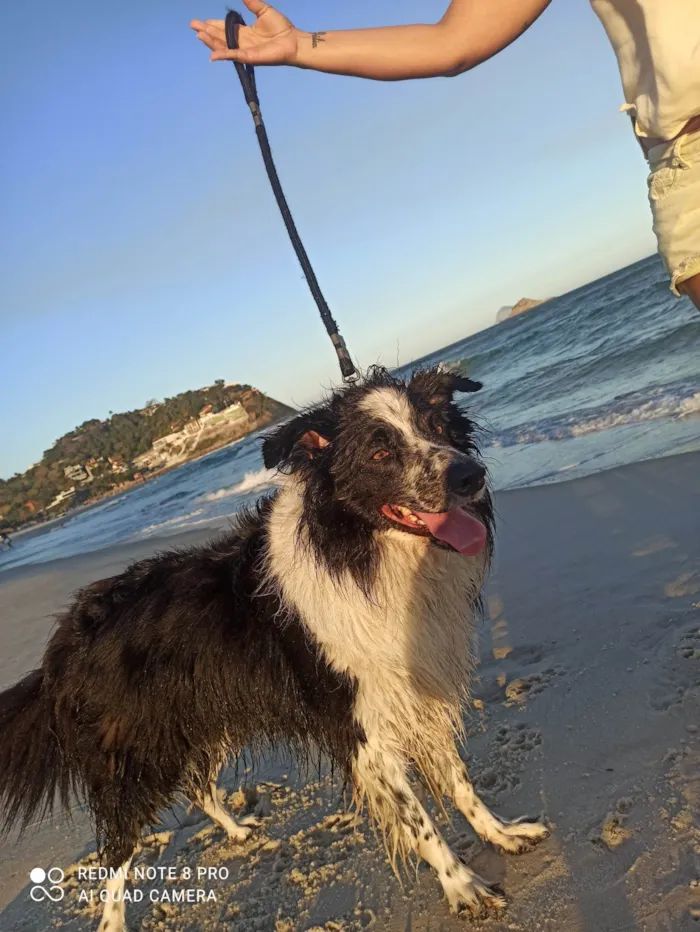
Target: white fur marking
[(513, 837), (210, 805), (392, 802), (114, 913), (386, 404), (409, 646)]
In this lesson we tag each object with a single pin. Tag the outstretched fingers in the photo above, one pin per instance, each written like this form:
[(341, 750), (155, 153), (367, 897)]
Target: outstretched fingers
[(272, 40), (256, 6), (212, 33)]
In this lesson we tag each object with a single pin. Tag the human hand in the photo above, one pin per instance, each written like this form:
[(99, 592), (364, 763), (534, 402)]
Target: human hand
[(271, 40)]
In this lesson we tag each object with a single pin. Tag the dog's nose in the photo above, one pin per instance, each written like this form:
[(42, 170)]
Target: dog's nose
[(466, 478)]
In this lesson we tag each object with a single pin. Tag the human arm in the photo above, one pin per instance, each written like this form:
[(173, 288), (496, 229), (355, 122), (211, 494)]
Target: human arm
[(470, 32)]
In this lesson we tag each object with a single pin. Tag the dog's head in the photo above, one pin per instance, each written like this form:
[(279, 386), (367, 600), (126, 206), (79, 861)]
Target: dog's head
[(389, 454)]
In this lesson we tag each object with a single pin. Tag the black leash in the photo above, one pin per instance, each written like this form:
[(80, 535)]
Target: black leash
[(246, 74)]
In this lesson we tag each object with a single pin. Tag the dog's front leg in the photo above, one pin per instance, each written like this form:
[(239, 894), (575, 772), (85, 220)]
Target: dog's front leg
[(381, 780), (112, 895), (237, 830), (514, 837)]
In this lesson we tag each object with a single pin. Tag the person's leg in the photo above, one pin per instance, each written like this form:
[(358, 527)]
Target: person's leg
[(674, 197), (691, 288)]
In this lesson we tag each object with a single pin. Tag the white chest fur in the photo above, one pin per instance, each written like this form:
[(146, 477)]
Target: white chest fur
[(409, 645)]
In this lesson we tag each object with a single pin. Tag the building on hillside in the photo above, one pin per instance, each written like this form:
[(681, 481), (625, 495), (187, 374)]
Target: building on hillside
[(117, 463), (162, 443), (78, 473), (148, 460), (62, 498), (207, 409), (193, 426), (234, 413)]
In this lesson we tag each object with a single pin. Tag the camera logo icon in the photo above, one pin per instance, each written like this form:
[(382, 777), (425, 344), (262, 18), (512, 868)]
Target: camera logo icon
[(46, 884)]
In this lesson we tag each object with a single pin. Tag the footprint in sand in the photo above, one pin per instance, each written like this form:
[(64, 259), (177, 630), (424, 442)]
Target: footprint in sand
[(689, 647), (613, 831), (515, 658), (493, 782), (665, 695), (510, 683), (523, 655), (524, 687), (679, 677), (505, 762)]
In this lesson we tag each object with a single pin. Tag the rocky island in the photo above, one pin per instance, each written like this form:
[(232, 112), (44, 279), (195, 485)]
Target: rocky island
[(523, 305)]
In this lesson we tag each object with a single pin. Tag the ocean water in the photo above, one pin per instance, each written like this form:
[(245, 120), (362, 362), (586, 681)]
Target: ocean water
[(606, 375)]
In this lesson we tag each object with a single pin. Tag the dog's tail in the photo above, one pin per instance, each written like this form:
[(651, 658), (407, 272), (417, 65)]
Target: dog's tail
[(32, 768)]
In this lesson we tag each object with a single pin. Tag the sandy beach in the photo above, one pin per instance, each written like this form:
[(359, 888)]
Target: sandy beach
[(586, 707)]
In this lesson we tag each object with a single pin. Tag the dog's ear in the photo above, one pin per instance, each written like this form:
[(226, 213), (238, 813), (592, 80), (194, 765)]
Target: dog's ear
[(305, 434), (438, 387), (460, 383)]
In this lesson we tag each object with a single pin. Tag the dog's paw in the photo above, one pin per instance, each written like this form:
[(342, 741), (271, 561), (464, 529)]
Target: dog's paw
[(520, 836), (251, 820), (239, 833), (470, 896)]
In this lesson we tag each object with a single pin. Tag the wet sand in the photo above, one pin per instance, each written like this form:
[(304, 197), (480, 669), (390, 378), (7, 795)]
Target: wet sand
[(586, 707)]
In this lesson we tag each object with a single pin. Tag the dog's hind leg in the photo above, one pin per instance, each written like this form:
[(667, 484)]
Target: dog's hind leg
[(513, 837), (114, 912), (381, 779), (236, 830)]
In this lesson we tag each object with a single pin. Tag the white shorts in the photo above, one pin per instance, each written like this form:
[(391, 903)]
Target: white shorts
[(674, 196)]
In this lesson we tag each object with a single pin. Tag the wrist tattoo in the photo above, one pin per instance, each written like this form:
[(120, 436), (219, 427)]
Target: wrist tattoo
[(316, 38)]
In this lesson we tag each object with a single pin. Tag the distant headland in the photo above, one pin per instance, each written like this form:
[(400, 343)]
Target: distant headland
[(523, 305), (101, 458)]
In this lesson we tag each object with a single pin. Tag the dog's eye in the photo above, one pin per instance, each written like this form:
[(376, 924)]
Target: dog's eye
[(380, 455), (439, 428)]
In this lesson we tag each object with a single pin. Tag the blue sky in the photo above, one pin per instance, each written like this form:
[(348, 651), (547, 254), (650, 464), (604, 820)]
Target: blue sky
[(141, 252)]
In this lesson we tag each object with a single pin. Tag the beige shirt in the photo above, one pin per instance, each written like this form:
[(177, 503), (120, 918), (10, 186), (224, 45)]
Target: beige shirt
[(657, 43)]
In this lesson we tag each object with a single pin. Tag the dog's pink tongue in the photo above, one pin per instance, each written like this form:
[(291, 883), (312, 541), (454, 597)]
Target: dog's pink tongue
[(457, 528)]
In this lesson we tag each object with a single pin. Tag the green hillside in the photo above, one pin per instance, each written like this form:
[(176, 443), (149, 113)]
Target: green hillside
[(105, 450)]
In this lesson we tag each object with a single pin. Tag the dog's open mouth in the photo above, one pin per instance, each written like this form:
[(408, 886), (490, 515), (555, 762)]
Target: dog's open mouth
[(458, 528)]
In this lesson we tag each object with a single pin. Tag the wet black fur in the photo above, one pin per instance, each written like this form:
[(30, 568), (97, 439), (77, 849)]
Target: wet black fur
[(152, 675)]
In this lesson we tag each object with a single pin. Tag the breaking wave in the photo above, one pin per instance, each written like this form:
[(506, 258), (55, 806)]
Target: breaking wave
[(261, 479), (632, 410), (173, 524)]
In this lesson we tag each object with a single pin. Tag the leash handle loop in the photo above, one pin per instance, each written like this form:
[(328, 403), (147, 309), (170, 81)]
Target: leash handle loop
[(246, 75)]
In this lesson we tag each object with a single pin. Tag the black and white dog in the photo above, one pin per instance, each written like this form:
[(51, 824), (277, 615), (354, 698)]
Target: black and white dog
[(338, 614)]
